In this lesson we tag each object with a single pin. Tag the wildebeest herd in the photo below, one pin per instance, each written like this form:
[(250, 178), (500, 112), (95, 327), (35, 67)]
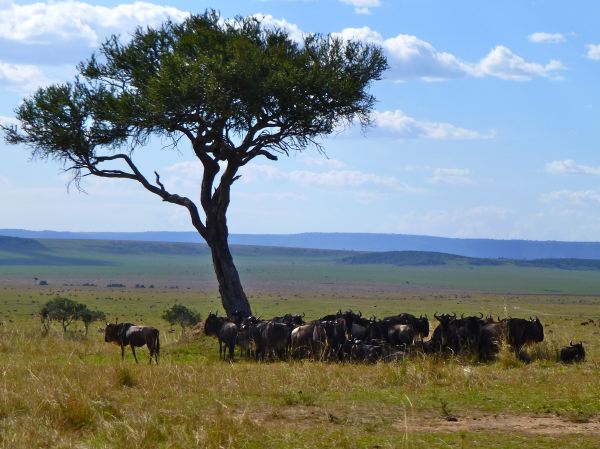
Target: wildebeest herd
[(348, 336)]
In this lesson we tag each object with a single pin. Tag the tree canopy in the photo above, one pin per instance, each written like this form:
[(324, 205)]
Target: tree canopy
[(234, 89), (182, 315)]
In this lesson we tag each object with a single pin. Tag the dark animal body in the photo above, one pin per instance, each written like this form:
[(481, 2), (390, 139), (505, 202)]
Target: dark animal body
[(226, 332), (128, 334), (521, 332), (574, 353)]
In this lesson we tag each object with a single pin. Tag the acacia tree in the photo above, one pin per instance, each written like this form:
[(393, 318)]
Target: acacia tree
[(234, 89)]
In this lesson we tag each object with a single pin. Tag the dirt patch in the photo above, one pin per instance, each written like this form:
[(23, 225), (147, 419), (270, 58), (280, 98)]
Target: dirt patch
[(302, 416), (538, 425)]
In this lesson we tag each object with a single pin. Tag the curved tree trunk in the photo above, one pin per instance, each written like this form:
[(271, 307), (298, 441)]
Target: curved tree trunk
[(230, 286)]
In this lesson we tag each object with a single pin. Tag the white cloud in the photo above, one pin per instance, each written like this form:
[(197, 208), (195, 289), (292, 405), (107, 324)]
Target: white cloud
[(362, 6), (593, 51), (22, 76), (406, 127), (413, 58), (294, 31), (501, 62), (569, 166), (576, 197), (75, 20), (549, 38), (451, 176)]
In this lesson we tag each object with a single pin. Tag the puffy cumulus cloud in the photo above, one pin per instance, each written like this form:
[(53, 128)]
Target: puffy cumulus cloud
[(413, 58), (574, 197), (593, 51), (75, 20), (569, 166), (450, 176), (400, 125), (501, 62), (21, 76), (294, 31), (362, 6), (546, 38)]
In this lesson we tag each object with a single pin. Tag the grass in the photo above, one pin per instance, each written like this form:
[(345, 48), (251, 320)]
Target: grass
[(70, 391)]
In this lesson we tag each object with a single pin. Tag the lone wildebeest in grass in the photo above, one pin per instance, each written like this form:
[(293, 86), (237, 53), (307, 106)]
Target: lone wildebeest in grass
[(521, 332), (125, 334), (226, 332), (574, 353)]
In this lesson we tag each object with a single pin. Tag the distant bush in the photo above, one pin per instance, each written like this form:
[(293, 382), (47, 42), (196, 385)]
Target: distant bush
[(180, 314), (65, 311)]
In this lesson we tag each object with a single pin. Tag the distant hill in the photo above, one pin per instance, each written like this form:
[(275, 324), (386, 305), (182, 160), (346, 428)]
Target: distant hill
[(423, 258), (478, 248), (29, 252)]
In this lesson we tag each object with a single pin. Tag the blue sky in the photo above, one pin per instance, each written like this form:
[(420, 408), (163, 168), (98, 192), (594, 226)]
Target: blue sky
[(486, 123)]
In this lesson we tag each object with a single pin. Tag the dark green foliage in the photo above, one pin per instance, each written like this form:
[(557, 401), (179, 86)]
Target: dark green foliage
[(180, 314), (233, 89), (65, 311), (88, 316)]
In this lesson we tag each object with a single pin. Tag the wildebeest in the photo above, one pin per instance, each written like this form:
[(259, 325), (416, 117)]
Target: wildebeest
[(419, 325), (491, 336), (521, 332), (336, 335), (574, 353), (125, 334), (270, 338), (226, 332), (308, 339)]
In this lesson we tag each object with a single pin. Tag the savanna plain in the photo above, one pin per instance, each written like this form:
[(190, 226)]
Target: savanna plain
[(68, 390)]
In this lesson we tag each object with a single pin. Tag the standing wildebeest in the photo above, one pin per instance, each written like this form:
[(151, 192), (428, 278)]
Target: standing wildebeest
[(336, 336), (521, 332), (125, 334), (226, 332), (270, 338), (574, 353)]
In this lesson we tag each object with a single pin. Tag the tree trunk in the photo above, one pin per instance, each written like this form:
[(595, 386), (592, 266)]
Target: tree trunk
[(230, 286)]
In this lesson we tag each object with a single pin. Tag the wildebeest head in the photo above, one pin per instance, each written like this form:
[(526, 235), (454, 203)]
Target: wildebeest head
[(111, 332), (536, 330), (213, 324)]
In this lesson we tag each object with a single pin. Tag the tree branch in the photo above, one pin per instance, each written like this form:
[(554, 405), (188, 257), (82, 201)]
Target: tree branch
[(160, 190)]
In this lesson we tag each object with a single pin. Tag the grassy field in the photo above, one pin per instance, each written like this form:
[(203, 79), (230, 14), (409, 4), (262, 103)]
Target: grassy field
[(69, 391)]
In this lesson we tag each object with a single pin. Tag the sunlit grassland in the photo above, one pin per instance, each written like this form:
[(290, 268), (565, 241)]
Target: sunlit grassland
[(73, 391)]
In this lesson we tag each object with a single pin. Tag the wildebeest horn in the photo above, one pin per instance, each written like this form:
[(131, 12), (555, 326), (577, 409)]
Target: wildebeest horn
[(462, 315), (435, 315), (116, 320), (453, 315), (303, 314), (359, 313), (571, 343), (480, 315)]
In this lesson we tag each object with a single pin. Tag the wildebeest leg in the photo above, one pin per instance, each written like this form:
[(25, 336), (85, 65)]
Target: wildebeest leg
[(231, 350), (122, 352), (134, 356)]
